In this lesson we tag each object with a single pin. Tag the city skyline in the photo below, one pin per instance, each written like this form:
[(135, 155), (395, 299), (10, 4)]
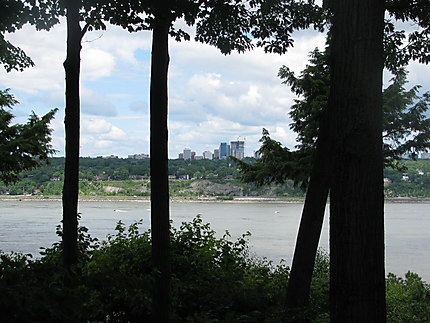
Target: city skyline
[(236, 148), (211, 96)]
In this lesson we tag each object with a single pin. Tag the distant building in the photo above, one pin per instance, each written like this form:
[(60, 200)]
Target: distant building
[(198, 157), (139, 156), (193, 155), (181, 156), (405, 156), (110, 157), (257, 154), (425, 155), (237, 149), (187, 154), (216, 153), (207, 154), (224, 150)]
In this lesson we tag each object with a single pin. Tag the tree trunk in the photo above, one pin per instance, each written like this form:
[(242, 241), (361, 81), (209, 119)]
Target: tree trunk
[(71, 121), (299, 282), (160, 226), (357, 277)]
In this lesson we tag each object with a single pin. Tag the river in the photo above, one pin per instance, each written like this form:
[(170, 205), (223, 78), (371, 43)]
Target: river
[(28, 225)]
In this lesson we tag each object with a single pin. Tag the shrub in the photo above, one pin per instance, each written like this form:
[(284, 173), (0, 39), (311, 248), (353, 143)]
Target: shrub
[(408, 299), (213, 280)]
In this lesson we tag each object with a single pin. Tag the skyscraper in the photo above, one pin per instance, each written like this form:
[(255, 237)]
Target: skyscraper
[(237, 149), (187, 154), (224, 150), (216, 153)]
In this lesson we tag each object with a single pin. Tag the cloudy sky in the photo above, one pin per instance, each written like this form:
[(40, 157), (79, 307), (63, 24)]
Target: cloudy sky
[(212, 98)]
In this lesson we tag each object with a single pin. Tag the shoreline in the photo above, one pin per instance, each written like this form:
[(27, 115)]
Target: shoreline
[(239, 199)]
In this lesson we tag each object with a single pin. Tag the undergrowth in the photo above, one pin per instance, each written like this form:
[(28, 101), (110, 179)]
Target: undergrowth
[(213, 280)]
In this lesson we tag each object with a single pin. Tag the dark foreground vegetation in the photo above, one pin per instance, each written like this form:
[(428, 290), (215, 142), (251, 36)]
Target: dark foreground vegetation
[(213, 280)]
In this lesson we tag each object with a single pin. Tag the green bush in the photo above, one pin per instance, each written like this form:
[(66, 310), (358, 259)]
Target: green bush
[(408, 299), (213, 280)]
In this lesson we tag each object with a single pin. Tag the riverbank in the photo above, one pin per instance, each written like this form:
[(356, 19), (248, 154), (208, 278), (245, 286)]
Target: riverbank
[(239, 199)]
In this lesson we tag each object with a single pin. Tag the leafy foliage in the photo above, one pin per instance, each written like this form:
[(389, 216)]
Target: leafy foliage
[(214, 280), (405, 124), (408, 299), (276, 165), (400, 47), (404, 111), (274, 21), (13, 15), (22, 146)]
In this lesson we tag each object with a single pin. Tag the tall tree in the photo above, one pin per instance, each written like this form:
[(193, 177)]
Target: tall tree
[(71, 123), (75, 12), (357, 274), (22, 146), (307, 113), (44, 14), (160, 220), (226, 24)]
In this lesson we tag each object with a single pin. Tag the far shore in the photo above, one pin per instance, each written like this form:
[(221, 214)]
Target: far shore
[(236, 199)]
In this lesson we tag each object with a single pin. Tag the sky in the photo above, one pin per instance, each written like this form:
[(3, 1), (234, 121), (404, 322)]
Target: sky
[(212, 98)]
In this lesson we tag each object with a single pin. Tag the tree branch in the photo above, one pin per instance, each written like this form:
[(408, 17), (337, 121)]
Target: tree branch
[(404, 4), (85, 29)]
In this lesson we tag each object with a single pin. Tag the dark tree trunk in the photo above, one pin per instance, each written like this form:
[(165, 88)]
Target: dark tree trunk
[(71, 121), (160, 229), (357, 277), (299, 282)]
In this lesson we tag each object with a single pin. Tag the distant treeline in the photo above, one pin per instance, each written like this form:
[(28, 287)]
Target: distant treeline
[(117, 176), (126, 168)]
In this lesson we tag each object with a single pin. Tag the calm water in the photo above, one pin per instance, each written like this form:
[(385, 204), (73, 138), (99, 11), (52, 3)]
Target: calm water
[(28, 225)]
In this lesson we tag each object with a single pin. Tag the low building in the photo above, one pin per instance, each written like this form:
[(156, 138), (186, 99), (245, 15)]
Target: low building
[(139, 156), (207, 154), (425, 155)]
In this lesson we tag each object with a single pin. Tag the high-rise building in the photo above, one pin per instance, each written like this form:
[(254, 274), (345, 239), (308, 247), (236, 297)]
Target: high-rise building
[(181, 156), (216, 153), (237, 149), (224, 150), (187, 154)]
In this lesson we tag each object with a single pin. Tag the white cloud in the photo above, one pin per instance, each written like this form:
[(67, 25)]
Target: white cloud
[(102, 128), (115, 133), (96, 64), (96, 126)]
